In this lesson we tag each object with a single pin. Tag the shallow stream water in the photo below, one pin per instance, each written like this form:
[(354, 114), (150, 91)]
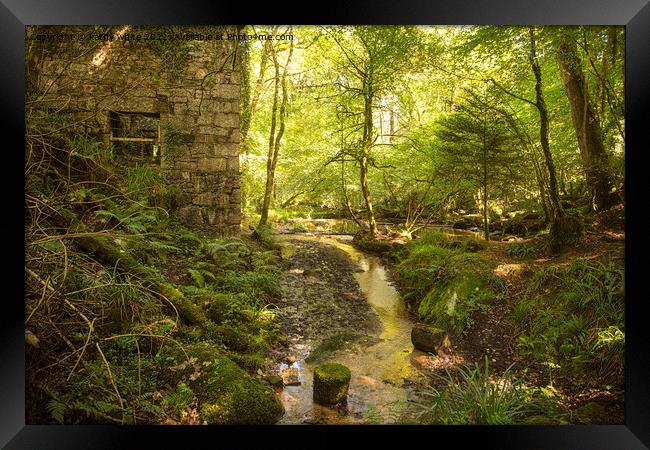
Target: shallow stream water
[(381, 373)]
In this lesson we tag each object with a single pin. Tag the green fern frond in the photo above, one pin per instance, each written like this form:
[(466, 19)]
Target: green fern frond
[(56, 410), (197, 276)]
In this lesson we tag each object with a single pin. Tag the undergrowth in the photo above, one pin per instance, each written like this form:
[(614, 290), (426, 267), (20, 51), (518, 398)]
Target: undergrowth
[(474, 396), (96, 331), (446, 280), (572, 319)]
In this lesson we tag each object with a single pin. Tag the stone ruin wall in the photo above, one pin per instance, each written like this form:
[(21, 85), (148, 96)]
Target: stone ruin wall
[(197, 100)]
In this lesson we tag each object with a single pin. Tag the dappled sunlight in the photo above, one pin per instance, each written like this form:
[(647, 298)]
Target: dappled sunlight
[(103, 53), (505, 270)]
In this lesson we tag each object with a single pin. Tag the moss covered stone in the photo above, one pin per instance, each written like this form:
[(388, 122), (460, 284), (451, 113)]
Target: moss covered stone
[(369, 244), (275, 381), (230, 396), (331, 383), (427, 339), (226, 393)]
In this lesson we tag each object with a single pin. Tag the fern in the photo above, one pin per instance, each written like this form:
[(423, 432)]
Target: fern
[(197, 276), (161, 246), (104, 407), (104, 213), (56, 410), (207, 273)]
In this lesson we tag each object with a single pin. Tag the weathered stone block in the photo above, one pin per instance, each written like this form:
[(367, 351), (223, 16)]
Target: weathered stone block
[(211, 164), (190, 216), (426, 338), (233, 163), (227, 91), (205, 199), (227, 120)]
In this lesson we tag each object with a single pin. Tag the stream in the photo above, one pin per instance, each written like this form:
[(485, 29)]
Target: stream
[(382, 373)]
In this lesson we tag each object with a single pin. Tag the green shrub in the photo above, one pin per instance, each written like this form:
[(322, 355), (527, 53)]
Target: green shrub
[(298, 227), (222, 307), (344, 227), (265, 235), (369, 244), (260, 288), (521, 250)]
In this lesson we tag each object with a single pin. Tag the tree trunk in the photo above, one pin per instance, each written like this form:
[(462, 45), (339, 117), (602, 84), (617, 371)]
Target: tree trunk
[(366, 143), (271, 152), (348, 206), (586, 124), (274, 140), (486, 226), (558, 233)]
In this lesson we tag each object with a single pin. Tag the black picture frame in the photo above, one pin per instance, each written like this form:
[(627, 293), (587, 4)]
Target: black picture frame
[(16, 14)]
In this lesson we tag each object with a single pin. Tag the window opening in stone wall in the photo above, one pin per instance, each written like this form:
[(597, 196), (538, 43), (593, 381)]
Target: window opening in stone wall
[(135, 136)]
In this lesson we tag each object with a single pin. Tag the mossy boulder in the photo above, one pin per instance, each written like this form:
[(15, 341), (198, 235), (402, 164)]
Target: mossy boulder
[(230, 396), (591, 412), (331, 383), (226, 393), (427, 339), (275, 381)]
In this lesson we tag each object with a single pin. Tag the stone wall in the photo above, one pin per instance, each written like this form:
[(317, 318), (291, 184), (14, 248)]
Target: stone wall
[(194, 86)]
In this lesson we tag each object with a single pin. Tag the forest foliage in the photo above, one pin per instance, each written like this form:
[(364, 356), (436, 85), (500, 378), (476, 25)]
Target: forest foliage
[(430, 123)]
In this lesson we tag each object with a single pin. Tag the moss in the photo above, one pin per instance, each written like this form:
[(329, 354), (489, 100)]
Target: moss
[(446, 283), (230, 396), (220, 307), (565, 232), (232, 337), (591, 412), (188, 310), (333, 343), (331, 383), (250, 362), (275, 381), (225, 392)]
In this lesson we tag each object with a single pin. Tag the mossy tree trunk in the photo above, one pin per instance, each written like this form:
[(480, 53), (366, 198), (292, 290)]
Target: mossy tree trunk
[(366, 144), (586, 124), (104, 249)]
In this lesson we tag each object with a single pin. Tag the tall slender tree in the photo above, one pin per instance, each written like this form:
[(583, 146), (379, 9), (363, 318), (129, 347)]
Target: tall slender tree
[(276, 139), (371, 60)]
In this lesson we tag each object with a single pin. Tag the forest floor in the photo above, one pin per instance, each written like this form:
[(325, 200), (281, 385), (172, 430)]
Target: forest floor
[(494, 334), (323, 300)]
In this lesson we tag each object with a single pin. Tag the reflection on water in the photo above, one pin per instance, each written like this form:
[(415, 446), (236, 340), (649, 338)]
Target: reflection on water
[(378, 371)]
